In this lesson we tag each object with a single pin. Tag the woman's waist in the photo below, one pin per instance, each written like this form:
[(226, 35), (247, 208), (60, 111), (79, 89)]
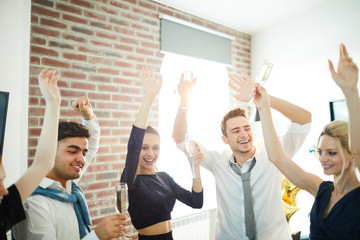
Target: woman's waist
[(157, 228)]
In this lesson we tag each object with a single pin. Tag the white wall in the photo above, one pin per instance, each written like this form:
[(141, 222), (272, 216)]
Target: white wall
[(14, 72), (299, 49)]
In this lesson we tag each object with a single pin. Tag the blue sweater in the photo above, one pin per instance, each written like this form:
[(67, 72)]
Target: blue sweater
[(152, 197)]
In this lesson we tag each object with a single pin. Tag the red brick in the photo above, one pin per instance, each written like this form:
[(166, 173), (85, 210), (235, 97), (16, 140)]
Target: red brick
[(130, 90), (150, 45), (73, 75), (108, 105), (67, 8), (122, 98), (129, 40), (35, 60), (182, 16), (94, 15), (107, 158), (89, 50), (82, 30), (100, 25), (123, 64), (120, 5), (124, 30), (130, 16), (98, 167), (54, 63), (108, 10), (33, 122), (72, 37), (99, 96), (34, 19), (37, 40), (78, 57), (108, 88), (141, 27), (44, 11), (68, 113), (101, 43), (154, 61), (146, 36), (43, 2), (106, 35), (44, 31), (98, 185), (123, 47), (52, 23), (197, 21), (83, 85), (74, 19), (108, 71), (72, 94), (144, 51), (136, 58), (165, 11), (34, 111), (60, 45), (83, 3), (100, 60), (98, 78)]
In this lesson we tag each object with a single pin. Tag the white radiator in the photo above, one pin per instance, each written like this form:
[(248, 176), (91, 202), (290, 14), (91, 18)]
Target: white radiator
[(199, 226)]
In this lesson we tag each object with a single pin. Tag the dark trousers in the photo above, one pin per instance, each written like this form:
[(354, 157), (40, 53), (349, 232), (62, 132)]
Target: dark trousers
[(165, 236)]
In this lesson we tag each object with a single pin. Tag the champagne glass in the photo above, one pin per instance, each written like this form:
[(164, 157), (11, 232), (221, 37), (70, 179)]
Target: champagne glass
[(262, 76), (122, 202), (191, 150), (188, 76)]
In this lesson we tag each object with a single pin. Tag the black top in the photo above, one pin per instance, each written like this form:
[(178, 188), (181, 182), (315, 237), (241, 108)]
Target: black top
[(343, 220), (152, 197), (11, 211)]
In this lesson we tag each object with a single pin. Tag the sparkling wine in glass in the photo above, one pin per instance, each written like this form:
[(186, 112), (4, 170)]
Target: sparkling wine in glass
[(122, 202), (191, 150), (188, 76)]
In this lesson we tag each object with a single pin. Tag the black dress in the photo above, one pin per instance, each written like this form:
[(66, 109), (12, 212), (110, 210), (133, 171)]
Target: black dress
[(11, 211), (152, 197), (342, 222)]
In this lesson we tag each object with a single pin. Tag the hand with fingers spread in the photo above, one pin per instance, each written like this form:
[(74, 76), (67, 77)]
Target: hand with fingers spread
[(48, 85), (83, 105), (151, 85), (185, 87), (243, 85), (346, 76), (111, 227)]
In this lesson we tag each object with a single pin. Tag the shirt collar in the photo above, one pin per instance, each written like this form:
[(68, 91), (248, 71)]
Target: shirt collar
[(48, 182)]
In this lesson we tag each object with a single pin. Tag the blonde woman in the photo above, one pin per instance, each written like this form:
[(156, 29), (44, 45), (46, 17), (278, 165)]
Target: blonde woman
[(336, 210)]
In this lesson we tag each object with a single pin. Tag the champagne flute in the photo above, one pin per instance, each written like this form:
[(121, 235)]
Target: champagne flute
[(188, 76), (262, 76), (121, 201), (191, 150)]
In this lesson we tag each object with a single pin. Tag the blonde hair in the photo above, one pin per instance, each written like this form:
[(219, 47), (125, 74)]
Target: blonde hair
[(339, 130)]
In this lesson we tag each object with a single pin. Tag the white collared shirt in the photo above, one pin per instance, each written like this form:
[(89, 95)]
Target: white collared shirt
[(265, 181), (51, 219)]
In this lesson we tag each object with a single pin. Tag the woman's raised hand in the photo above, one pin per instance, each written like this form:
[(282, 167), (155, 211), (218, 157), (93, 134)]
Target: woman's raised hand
[(151, 85)]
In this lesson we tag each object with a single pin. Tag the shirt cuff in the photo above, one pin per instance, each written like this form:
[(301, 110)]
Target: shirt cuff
[(181, 146), (300, 128), (91, 236), (90, 123)]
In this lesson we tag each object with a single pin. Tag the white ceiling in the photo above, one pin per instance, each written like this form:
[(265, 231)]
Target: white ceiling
[(249, 16)]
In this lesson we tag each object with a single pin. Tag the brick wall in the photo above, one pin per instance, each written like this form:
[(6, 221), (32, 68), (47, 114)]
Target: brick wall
[(98, 47)]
